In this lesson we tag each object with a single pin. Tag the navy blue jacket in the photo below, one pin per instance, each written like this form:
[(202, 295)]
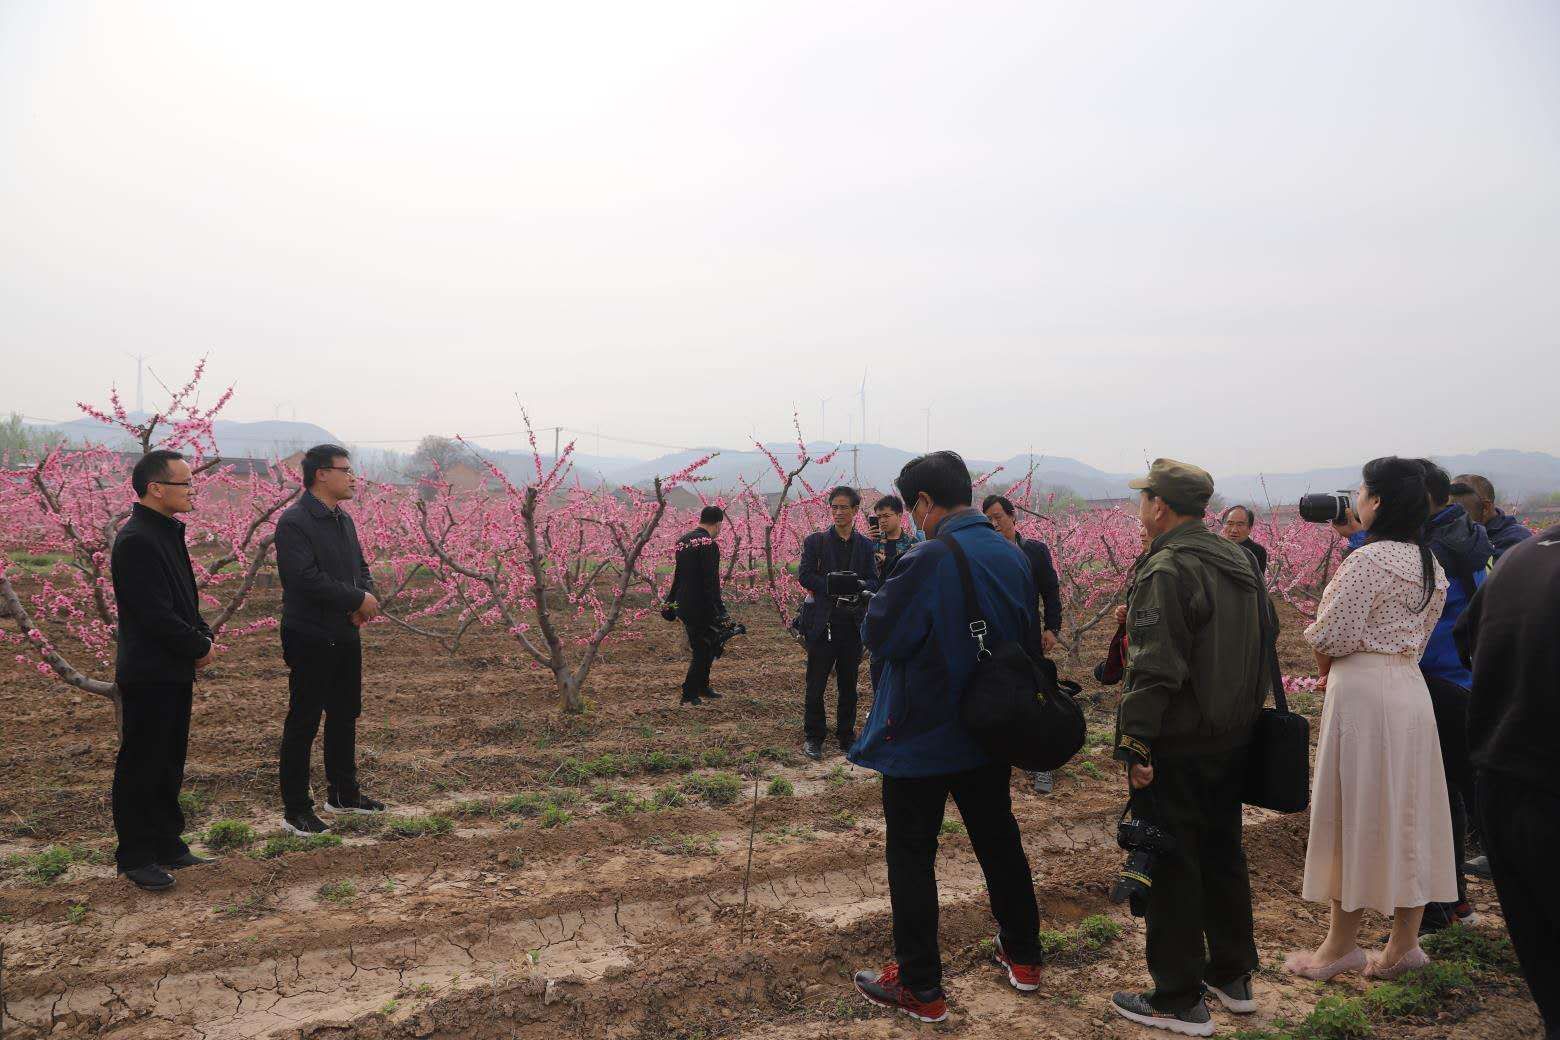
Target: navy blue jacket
[(1464, 552), (916, 625), (1049, 585), (1504, 532), (324, 576), (818, 561)]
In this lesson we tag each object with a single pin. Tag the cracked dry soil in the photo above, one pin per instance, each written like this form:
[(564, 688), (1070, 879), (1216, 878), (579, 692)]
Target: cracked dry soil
[(611, 923)]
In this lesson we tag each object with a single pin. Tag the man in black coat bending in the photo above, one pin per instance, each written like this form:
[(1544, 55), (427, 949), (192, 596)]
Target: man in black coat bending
[(695, 593), (830, 624), (327, 595), (162, 642)]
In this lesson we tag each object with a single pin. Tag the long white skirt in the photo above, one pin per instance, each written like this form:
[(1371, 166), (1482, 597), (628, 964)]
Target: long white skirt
[(1381, 827)]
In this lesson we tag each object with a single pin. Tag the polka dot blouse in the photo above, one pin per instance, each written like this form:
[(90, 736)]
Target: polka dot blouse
[(1369, 604)]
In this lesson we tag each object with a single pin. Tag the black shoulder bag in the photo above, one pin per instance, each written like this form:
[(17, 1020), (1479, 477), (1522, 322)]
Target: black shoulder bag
[(1013, 703), (1278, 771)]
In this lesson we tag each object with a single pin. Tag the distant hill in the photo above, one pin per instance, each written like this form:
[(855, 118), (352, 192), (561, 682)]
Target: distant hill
[(265, 439), (1515, 474)]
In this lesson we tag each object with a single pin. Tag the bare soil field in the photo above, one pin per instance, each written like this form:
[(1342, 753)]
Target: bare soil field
[(541, 876)]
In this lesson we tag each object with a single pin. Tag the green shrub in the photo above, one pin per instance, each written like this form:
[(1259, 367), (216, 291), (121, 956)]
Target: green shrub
[(1335, 1018), (1480, 950), (192, 802), (281, 844), (1418, 991), (664, 762), (76, 914), (338, 891), (837, 777), (780, 787), (472, 808), (418, 826), (626, 803), (358, 823), (229, 834), (670, 798), (715, 757), (715, 788), (555, 816), (1081, 943), (47, 866), (528, 804), (571, 771), (951, 827)]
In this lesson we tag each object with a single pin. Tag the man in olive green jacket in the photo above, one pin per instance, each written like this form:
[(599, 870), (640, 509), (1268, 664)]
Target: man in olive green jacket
[(1194, 687)]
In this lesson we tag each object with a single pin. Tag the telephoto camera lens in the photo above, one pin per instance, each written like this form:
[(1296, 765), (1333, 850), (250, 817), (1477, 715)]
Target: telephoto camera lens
[(1325, 507), (1143, 843)]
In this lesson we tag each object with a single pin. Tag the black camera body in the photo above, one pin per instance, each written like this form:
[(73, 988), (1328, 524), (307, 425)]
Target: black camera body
[(1325, 507), (722, 631), (846, 589), (1143, 843)]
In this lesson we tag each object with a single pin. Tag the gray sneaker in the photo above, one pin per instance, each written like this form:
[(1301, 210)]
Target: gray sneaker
[(1043, 781), (1235, 996), (1195, 1021)]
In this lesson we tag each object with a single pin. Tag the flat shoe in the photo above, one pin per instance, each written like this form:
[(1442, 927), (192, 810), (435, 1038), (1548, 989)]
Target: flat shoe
[(1300, 964), (1413, 960)]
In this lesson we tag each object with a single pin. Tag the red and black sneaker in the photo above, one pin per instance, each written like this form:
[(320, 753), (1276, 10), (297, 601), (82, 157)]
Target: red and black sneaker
[(1024, 977), (886, 990)]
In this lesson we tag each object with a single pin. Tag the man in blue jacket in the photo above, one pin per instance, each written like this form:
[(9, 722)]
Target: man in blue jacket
[(1476, 495), (914, 736), (829, 623)]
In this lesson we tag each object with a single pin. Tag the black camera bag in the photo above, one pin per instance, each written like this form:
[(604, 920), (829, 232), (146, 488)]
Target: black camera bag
[(1013, 703), (1278, 771)]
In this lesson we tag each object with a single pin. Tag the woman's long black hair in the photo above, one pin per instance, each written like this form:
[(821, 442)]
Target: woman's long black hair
[(1404, 509)]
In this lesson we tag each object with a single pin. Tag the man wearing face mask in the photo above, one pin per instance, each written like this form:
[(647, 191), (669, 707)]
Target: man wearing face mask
[(829, 623)]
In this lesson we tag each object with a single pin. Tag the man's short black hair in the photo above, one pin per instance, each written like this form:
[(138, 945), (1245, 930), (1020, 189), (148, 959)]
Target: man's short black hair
[(846, 490), (1178, 508), (1251, 518), (321, 456), (1438, 483), (998, 500), (942, 475), (711, 515), (153, 466), (890, 503)]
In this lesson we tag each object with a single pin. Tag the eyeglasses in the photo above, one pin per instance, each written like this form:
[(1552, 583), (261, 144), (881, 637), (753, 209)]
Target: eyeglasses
[(173, 483), (339, 469)]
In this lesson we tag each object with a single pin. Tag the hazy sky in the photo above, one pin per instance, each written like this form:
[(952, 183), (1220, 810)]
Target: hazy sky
[(1253, 235)]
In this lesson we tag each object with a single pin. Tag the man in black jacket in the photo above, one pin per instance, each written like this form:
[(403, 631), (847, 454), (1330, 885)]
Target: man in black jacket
[(695, 593), (831, 625), (327, 594), (999, 510), (1507, 635), (1235, 525), (162, 641)]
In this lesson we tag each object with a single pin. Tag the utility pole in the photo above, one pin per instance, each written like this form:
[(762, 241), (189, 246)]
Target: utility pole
[(140, 364), (855, 467), (557, 430)]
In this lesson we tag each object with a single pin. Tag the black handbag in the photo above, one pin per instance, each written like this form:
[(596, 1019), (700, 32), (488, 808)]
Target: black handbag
[(1013, 704), (1278, 770)]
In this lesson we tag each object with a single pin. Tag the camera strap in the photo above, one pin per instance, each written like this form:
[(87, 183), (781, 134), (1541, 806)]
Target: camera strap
[(1269, 636), (972, 614)]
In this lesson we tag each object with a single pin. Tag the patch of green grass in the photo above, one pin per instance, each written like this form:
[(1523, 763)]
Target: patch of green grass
[(780, 787), (839, 776), (685, 845), (1081, 943), (338, 891), (46, 866), (528, 804), (253, 903), (779, 756), (627, 803), (668, 762), (715, 757), (358, 823), (670, 798), (281, 844), (555, 816), (472, 808), (418, 826), (76, 914), (951, 827), (715, 788), (224, 835), (1089, 769), (1482, 951), (843, 820), (193, 802), (389, 1007)]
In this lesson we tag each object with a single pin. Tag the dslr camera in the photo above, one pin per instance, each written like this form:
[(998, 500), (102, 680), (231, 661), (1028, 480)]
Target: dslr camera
[(1144, 844), (1326, 507), (722, 631), (846, 589)]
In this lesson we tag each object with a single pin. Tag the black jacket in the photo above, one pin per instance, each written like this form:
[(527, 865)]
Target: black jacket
[(160, 633), (324, 575), (1508, 636), (1046, 581), (817, 561), (696, 582), (1258, 550)]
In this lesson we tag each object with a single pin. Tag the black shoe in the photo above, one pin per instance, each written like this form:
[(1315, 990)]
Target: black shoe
[(150, 878), (1478, 866), (304, 824), (189, 859), (1043, 780), (711, 695), (1195, 1021), (690, 698), (1236, 996), (885, 990), (846, 740), (812, 747), (361, 805)]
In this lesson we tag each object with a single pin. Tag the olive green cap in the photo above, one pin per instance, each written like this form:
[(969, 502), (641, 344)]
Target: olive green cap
[(1178, 482)]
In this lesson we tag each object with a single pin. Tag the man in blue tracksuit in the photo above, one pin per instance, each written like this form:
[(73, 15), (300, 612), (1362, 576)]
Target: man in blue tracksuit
[(917, 625)]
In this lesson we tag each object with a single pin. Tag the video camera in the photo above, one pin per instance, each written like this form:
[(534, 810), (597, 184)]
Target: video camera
[(1144, 844), (1326, 507), (846, 588)]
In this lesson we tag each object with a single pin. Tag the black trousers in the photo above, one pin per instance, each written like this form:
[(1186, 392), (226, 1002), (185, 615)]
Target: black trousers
[(913, 813), (841, 655), (703, 649), (1521, 825), (1450, 703), (325, 677), (1201, 891), (148, 772)]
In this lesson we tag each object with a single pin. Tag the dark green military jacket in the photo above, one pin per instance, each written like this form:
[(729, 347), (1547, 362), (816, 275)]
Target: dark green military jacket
[(1194, 675)]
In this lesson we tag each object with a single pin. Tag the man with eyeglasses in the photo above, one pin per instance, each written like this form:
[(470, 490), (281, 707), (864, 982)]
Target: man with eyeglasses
[(1236, 523), (830, 622), (162, 642), (327, 595)]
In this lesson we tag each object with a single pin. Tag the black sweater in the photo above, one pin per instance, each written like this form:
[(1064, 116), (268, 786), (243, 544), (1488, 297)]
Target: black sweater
[(324, 575), (160, 633), (696, 583), (1508, 636)]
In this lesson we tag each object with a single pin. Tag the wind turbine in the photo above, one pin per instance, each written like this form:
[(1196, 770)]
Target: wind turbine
[(140, 364), (863, 395)]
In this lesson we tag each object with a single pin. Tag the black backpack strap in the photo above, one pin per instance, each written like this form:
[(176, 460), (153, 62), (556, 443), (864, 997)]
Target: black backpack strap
[(1269, 636), (972, 615)]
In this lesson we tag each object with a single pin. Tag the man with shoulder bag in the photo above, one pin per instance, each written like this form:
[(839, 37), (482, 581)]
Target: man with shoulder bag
[(1195, 684)]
